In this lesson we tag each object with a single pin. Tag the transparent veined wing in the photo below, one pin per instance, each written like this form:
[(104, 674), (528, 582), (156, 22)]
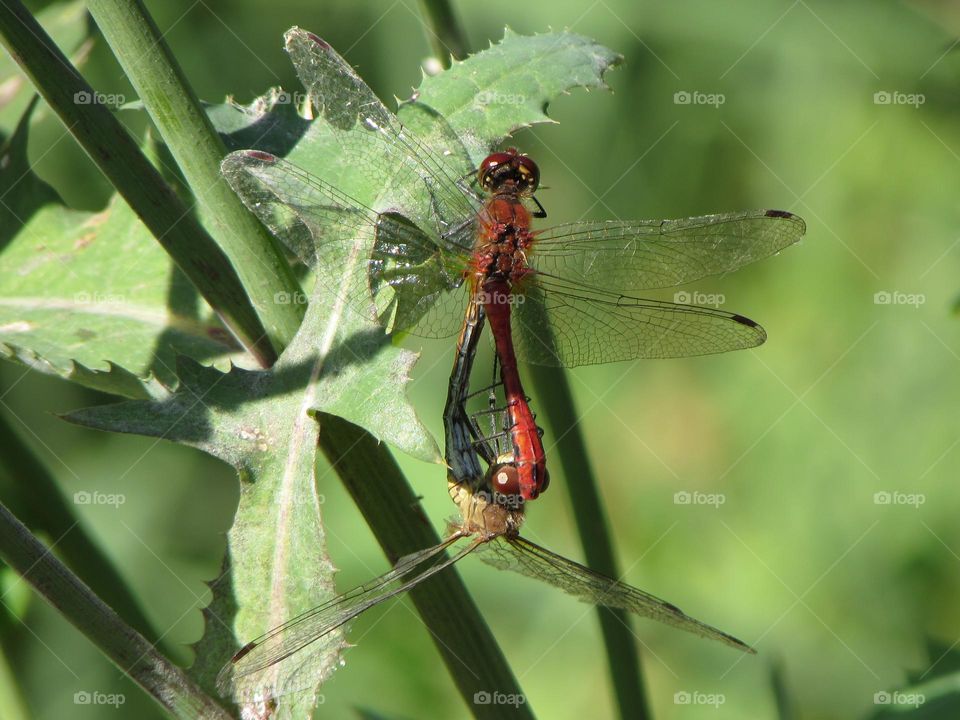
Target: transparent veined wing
[(530, 559), (422, 175), (324, 226), (559, 323), (645, 254), (288, 658)]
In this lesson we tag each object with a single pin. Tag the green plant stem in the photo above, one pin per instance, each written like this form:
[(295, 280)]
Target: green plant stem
[(135, 657), (391, 509), (33, 493), (116, 154), (556, 402), (185, 128), (446, 34)]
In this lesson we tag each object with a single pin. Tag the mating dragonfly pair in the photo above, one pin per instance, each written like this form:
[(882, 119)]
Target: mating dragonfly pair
[(447, 254)]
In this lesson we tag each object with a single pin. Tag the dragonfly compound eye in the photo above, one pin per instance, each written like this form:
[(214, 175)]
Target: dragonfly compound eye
[(528, 174), (491, 170), (505, 480)]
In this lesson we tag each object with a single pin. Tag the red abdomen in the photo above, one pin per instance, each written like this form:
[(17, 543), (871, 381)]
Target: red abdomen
[(529, 457)]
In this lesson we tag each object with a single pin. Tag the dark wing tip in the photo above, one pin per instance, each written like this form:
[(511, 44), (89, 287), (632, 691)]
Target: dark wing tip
[(243, 651), (737, 643), (745, 321), (797, 221), (780, 214), (260, 155), (319, 41)]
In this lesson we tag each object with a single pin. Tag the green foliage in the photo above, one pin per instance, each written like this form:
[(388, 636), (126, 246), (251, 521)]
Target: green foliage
[(931, 694), (340, 362), (508, 87), (91, 297)]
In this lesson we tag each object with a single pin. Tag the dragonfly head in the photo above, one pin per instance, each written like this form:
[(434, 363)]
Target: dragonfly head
[(508, 171), (506, 485), (505, 479)]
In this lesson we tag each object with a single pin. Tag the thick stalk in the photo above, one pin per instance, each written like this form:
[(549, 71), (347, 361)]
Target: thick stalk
[(185, 128), (112, 149), (135, 657), (444, 31), (33, 493)]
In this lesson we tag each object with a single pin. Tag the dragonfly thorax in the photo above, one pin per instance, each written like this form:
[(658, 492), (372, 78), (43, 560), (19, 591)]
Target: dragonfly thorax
[(503, 239)]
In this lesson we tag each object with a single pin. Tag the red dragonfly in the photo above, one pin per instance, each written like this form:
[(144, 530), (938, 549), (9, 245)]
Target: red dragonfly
[(434, 241), (440, 252)]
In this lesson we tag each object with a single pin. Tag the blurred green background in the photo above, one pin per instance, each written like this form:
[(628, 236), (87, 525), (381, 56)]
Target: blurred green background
[(841, 592)]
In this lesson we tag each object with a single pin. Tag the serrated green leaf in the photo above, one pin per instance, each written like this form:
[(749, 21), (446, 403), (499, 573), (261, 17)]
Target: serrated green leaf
[(91, 297), (262, 423), (509, 86)]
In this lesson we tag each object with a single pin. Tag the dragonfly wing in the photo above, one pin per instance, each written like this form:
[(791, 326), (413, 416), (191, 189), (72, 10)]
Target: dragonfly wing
[(438, 315), (530, 559), (645, 254), (290, 657), (322, 225), (561, 324), (418, 177)]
